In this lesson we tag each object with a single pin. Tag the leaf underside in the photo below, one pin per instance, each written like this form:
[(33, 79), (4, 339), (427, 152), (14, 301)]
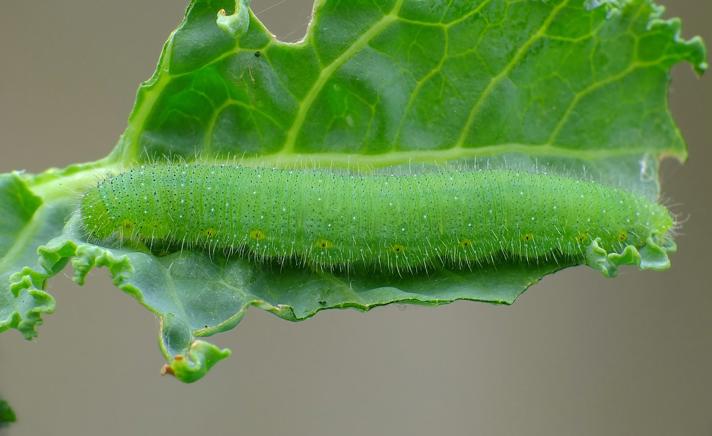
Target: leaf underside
[(572, 85)]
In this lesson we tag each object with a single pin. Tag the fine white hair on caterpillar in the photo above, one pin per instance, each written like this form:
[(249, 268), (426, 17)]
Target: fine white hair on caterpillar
[(394, 222)]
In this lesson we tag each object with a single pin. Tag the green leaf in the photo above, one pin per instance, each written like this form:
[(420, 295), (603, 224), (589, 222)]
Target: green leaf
[(570, 85), (7, 415), (26, 225)]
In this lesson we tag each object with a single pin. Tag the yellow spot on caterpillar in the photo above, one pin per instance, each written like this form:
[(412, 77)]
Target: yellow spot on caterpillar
[(622, 236), (397, 248), (465, 243), (210, 232), (257, 234), (324, 244), (582, 238), (527, 237), (127, 225)]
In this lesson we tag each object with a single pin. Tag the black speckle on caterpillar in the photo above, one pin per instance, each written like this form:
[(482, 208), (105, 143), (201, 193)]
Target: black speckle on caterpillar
[(389, 223)]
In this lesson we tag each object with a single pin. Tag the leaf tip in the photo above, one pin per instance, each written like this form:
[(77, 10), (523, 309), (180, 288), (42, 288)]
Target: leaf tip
[(700, 49), (196, 362)]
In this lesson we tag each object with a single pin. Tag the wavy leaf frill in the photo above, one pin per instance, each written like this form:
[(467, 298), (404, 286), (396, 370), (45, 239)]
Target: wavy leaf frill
[(373, 85), (652, 256), (26, 224)]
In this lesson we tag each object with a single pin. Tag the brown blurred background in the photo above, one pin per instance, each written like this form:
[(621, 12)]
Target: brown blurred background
[(577, 354)]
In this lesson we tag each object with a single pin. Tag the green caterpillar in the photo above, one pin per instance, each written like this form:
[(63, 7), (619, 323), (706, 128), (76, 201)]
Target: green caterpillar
[(400, 224)]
